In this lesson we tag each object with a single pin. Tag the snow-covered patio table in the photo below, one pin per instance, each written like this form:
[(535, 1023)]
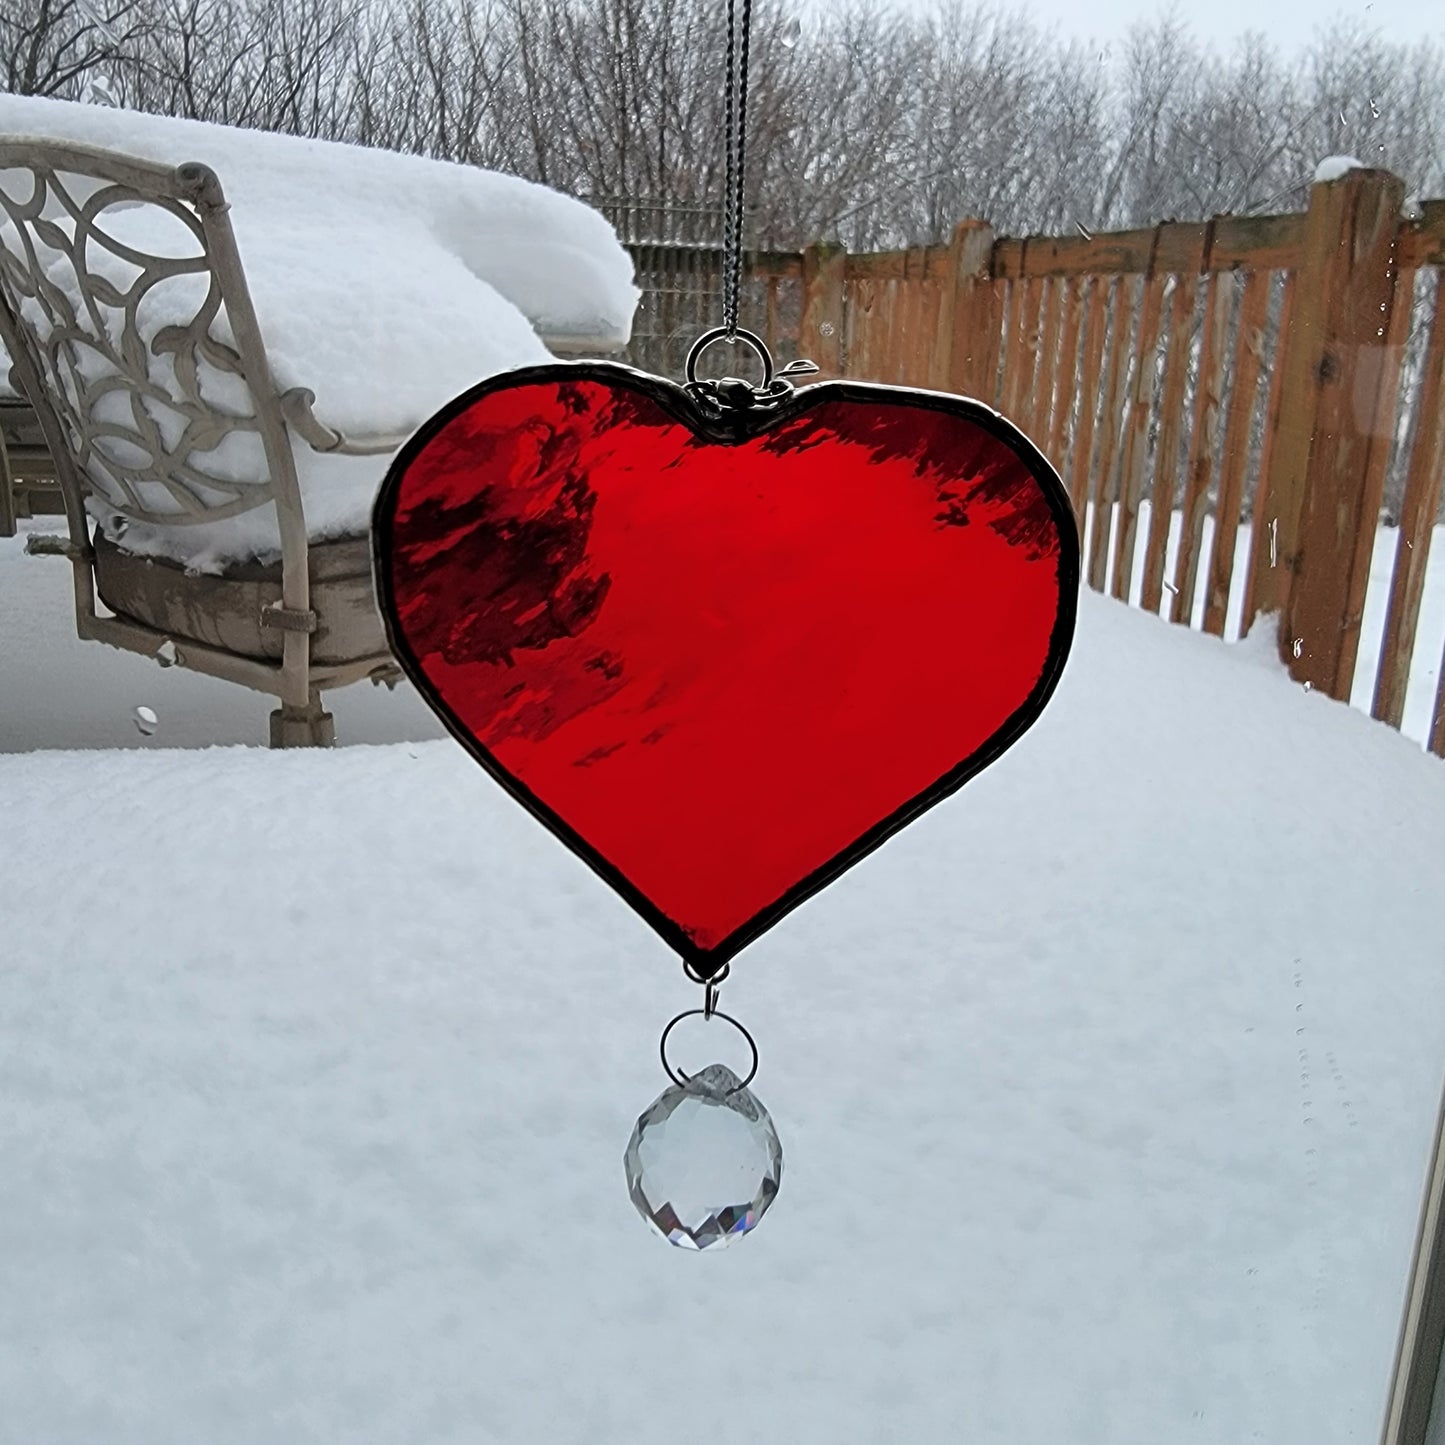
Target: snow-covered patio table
[(228, 333), (383, 283)]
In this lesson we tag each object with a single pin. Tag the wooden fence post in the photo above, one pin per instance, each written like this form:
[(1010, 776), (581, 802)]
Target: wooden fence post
[(972, 313), (820, 330), (1323, 488)]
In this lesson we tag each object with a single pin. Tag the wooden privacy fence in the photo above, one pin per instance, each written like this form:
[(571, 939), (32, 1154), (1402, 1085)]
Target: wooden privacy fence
[(1226, 401)]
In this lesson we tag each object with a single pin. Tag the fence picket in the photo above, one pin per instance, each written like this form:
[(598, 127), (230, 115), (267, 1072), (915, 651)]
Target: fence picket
[(1166, 454), (920, 289), (1417, 524), (1068, 368), (1020, 355), (1095, 331), (1010, 305), (1261, 592), (885, 331), (1248, 360), (1105, 488), (862, 298), (1041, 413), (1136, 435), (1208, 393)]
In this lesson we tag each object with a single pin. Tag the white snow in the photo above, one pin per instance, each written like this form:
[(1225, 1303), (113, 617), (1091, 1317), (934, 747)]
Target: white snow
[(1332, 168), (1105, 1092), (1430, 630), (385, 249), (384, 283)]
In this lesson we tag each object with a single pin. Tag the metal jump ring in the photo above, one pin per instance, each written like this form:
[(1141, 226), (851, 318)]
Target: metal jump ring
[(681, 1079), (719, 977), (721, 333)]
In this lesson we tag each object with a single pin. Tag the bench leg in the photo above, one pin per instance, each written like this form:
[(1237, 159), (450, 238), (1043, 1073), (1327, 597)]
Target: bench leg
[(7, 494), (303, 727)]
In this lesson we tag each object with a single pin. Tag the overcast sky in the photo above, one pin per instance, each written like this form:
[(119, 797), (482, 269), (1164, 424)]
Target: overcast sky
[(1287, 22)]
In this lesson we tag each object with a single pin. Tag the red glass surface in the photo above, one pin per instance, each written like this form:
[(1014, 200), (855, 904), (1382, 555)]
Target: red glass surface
[(723, 670)]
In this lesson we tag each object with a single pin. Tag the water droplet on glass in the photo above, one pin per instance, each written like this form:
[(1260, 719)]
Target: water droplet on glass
[(792, 33), (1299, 646), (1374, 110), (146, 721), (826, 328), (1171, 589), (166, 654), (1309, 686), (704, 1161)]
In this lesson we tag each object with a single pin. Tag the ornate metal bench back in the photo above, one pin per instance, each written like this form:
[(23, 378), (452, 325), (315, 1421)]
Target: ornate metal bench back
[(170, 424)]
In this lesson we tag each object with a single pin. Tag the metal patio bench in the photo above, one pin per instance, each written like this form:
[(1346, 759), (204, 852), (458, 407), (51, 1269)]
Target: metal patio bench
[(136, 434)]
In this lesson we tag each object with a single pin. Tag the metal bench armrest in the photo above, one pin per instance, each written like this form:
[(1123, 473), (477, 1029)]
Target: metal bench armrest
[(296, 407)]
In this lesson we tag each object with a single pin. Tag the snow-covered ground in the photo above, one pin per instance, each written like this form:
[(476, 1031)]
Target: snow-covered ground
[(1105, 1089), (1430, 635)]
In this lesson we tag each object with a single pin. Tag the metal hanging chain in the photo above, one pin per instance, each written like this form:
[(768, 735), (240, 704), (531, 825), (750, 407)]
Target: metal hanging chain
[(731, 395), (736, 123)]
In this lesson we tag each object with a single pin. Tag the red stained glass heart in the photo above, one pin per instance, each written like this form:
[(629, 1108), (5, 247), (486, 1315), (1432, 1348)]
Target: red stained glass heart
[(724, 659)]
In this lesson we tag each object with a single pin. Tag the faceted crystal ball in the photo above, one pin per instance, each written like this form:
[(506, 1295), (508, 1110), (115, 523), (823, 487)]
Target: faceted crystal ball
[(704, 1162)]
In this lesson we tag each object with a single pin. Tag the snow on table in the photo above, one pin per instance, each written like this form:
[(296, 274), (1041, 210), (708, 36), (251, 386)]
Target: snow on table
[(375, 272), (1105, 1092), (384, 283)]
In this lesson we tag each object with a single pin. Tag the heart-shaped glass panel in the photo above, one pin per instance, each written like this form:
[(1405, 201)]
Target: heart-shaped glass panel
[(724, 659)]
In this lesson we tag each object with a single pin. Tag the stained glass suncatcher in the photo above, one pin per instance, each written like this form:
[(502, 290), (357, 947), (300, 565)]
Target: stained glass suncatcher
[(724, 659)]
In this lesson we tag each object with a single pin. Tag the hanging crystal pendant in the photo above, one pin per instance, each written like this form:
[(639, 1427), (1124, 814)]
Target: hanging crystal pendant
[(704, 1161)]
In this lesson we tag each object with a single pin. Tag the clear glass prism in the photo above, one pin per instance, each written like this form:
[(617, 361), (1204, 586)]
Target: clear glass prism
[(704, 1161)]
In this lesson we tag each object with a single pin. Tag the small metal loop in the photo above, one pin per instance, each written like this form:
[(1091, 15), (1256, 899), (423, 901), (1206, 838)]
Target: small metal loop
[(720, 977), (681, 1079), (721, 333)]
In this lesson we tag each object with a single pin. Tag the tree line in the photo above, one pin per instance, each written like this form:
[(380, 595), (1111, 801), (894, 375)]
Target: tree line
[(870, 125)]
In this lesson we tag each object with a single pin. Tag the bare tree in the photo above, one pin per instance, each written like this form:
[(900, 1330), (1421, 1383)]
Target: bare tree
[(873, 125), (47, 47)]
